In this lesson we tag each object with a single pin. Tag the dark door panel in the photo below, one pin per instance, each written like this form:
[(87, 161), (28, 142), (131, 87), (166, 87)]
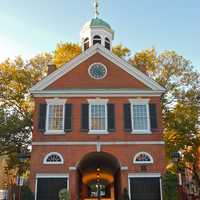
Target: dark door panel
[(145, 188), (48, 188)]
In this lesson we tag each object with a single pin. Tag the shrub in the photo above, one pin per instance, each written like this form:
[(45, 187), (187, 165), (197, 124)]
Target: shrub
[(170, 186), (64, 194), (26, 193)]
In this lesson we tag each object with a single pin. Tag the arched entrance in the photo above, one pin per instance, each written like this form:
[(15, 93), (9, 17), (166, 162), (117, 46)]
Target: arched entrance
[(99, 176)]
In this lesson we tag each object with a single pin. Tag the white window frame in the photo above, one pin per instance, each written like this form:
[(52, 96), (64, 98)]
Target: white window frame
[(98, 102), (144, 175), (143, 162), (47, 175), (140, 102), (55, 101), (53, 163)]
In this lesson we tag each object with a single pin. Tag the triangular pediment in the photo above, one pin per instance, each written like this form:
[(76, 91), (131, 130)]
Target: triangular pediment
[(74, 74)]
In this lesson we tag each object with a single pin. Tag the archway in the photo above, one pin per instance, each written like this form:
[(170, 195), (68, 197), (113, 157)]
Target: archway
[(99, 176)]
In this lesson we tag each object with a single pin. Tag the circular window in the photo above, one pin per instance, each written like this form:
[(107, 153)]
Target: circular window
[(97, 71)]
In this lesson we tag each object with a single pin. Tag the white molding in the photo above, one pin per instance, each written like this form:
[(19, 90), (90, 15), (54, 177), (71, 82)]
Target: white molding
[(98, 132), (52, 175), (139, 101), (98, 101), (97, 48), (143, 162), (72, 168), (97, 92), (54, 132), (53, 163), (101, 143), (56, 101), (124, 168)]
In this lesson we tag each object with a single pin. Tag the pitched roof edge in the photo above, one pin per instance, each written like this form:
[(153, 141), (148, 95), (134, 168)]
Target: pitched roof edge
[(88, 53)]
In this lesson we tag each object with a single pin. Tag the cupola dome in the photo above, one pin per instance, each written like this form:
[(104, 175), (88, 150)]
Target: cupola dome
[(96, 31)]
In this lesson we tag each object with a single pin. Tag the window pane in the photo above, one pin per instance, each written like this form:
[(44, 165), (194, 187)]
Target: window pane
[(140, 117), (98, 117), (55, 117)]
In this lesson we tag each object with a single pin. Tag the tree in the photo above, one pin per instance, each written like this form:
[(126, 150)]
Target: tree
[(180, 102), (170, 186), (65, 52), (16, 78), (121, 51)]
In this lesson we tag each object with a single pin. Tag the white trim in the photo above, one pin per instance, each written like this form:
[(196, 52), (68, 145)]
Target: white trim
[(143, 162), (97, 92), (36, 182), (72, 168), (98, 132), (98, 101), (53, 163), (50, 175), (161, 189), (89, 68), (124, 168), (55, 101), (97, 48), (145, 175), (140, 102), (101, 143)]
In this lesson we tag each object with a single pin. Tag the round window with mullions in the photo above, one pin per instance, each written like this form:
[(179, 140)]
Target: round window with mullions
[(97, 71)]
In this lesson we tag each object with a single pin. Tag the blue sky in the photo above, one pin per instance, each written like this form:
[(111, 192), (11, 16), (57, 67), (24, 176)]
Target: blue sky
[(29, 27)]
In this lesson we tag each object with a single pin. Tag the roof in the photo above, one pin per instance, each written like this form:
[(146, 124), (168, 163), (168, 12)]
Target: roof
[(97, 48), (97, 22)]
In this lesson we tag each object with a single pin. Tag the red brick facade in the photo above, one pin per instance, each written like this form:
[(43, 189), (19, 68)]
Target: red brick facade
[(86, 143)]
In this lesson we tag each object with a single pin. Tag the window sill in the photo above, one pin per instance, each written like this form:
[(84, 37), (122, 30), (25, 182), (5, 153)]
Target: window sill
[(96, 132), (147, 132), (54, 133)]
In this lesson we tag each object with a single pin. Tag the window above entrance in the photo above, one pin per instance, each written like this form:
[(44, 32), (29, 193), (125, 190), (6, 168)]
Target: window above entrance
[(53, 158), (142, 158)]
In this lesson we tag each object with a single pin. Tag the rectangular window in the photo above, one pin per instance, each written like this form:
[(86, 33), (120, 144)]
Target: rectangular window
[(56, 117), (140, 116), (98, 116)]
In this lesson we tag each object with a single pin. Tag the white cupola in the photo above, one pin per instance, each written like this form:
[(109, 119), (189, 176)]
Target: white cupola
[(96, 31)]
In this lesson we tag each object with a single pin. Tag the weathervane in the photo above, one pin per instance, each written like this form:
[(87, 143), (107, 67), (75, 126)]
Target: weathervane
[(96, 8)]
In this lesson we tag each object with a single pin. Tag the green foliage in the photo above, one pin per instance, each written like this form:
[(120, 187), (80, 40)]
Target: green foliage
[(65, 52), (64, 195), (16, 78), (26, 193), (170, 186)]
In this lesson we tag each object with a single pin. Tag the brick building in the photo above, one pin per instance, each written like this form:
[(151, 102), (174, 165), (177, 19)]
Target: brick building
[(97, 126)]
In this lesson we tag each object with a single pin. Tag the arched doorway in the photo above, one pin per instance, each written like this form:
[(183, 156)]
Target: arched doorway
[(99, 176)]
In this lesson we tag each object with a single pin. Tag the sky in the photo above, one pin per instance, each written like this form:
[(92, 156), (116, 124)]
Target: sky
[(30, 27)]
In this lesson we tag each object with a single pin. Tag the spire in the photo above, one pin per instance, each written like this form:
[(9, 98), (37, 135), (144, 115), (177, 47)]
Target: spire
[(96, 8)]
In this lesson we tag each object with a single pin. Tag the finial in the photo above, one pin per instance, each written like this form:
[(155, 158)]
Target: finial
[(96, 8)]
